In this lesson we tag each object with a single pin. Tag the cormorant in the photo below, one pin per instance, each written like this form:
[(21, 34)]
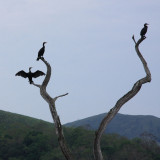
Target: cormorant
[(144, 30), (30, 75), (41, 51)]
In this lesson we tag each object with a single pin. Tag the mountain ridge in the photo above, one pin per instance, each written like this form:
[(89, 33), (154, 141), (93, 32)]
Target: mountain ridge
[(130, 126), (27, 138)]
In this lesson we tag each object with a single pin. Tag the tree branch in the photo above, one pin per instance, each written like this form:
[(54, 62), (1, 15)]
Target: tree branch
[(134, 39), (37, 85), (110, 115), (60, 96), (51, 102), (48, 75)]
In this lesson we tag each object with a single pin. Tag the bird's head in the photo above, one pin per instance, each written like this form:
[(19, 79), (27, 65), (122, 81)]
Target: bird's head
[(146, 24), (44, 43), (30, 69)]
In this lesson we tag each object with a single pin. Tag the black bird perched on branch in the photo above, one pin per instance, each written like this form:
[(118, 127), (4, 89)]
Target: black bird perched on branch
[(41, 51), (144, 30), (30, 75)]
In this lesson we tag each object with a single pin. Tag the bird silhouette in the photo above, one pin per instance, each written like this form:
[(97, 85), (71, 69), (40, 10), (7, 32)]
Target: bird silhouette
[(30, 74), (41, 51), (144, 30)]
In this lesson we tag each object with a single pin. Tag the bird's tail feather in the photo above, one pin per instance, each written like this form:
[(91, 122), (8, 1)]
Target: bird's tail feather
[(30, 82)]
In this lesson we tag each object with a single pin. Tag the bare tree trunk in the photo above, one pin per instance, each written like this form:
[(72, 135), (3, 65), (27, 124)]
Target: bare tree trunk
[(110, 115), (51, 101)]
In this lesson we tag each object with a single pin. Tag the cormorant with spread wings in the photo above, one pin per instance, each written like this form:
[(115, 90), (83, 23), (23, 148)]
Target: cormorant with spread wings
[(30, 74)]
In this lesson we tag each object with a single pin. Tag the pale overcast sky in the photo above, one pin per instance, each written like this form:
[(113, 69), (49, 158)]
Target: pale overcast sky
[(91, 52)]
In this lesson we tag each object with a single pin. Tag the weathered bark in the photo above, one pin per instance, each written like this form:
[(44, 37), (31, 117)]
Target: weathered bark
[(51, 101), (110, 115)]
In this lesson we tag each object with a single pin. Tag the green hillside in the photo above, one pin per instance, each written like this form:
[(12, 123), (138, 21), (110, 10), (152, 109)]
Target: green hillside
[(26, 138), (125, 125)]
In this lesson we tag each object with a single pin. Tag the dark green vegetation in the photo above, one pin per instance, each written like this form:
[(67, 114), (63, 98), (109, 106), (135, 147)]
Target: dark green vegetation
[(25, 138), (124, 125)]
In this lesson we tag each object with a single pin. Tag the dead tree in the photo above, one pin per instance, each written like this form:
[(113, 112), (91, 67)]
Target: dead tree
[(110, 115), (51, 102)]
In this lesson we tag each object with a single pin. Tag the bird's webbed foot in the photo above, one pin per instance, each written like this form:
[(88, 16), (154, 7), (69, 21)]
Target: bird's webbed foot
[(143, 37)]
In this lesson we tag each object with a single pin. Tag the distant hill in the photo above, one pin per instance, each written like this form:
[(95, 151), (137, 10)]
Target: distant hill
[(16, 123), (129, 126), (26, 138)]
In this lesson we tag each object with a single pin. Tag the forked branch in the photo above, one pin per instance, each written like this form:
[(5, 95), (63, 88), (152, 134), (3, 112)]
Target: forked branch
[(51, 102), (110, 115)]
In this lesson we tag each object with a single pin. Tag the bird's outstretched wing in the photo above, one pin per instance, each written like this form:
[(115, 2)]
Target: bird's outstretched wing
[(22, 74), (37, 74)]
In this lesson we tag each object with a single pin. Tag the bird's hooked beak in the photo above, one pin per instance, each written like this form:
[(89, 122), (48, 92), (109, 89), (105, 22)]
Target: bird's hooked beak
[(146, 24)]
